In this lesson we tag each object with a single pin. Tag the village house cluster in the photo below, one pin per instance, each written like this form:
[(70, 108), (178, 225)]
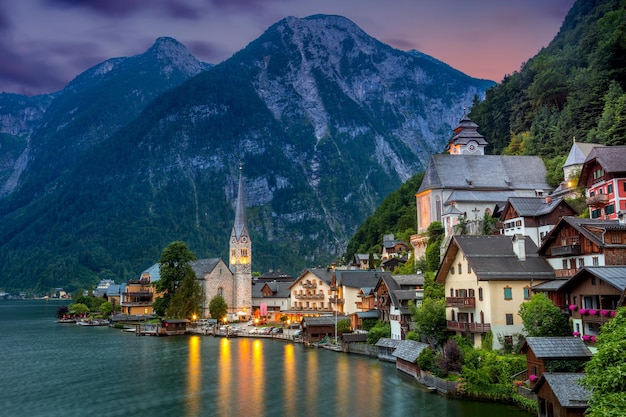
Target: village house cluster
[(538, 245)]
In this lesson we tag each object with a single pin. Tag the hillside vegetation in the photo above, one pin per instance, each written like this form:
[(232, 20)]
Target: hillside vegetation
[(573, 88)]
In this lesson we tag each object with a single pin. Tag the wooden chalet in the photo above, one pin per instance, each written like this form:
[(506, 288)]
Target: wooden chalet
[(575, 242), (594, 294), (561, 395), (542, 352), (406, 354)]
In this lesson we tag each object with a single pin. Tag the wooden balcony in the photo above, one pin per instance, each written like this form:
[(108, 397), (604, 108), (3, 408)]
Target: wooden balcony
[(598, 200), (565, 273), (460, 326), (566, 250), (309, 285), (461, 302), (335, 300)]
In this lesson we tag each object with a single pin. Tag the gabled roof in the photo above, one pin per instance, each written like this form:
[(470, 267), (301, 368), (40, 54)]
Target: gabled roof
[(369, 314), (484, 172), (535, 206), (592, 229), (408, 281), (493, 258), (548, 286), (201, 267), (610, 158), (154, 271), (614, 275), (359, 278), (386, 342), (392, 243), (279, 289), (325, 274), (566, 387), (320, 321), (578, 153), (409, 350), (401, 287), (568, 347)]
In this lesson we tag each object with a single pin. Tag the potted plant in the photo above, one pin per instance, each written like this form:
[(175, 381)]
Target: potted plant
[(576, 334), (533, 378), (583, 311), (573, 307), (592, 312)]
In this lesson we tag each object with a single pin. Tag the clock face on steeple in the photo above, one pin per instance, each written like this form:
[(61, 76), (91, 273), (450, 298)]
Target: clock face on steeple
[(472, 146)]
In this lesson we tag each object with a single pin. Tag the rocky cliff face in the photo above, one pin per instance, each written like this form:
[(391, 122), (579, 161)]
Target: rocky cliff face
[(325, 119)]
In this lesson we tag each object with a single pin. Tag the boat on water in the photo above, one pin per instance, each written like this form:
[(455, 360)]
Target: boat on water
[(66, 321)]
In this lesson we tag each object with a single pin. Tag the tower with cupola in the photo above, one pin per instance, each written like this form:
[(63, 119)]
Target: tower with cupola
[(240, 257), (466, 139)]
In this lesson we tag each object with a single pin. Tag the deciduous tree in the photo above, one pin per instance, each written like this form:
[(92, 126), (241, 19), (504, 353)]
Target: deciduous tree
[(605, 373), (541, 318), (218, 307)]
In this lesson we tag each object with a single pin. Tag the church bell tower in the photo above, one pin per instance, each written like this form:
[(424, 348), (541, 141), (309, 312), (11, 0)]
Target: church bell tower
[(240, 257)]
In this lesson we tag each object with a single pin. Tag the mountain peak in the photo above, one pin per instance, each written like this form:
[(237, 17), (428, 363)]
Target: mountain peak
[(169, 50)]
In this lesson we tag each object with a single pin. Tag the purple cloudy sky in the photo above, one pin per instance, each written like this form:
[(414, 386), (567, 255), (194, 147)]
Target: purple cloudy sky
[(44, 44)]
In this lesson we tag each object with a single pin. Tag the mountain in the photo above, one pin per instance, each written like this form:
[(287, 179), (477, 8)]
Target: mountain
[(325, 119), (54, 130)]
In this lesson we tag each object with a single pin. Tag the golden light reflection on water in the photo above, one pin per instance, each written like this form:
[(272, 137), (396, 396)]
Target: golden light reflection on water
[(241, 378), (343, 382), (371, 392), (290, 381), (194, 376), (311, 383), (224, 378)]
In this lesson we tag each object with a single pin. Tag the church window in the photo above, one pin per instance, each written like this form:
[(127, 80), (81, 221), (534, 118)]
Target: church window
[(460, 270), (244, 252), (220, 292)]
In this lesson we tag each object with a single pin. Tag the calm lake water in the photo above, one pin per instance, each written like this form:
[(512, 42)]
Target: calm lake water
[(49, 369)]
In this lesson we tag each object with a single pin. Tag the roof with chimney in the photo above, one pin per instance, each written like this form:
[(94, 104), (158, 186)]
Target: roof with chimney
[(497, 257), (610, 158), (535, 206)]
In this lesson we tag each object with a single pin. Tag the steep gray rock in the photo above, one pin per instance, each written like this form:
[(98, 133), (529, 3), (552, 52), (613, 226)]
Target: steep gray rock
[(326, 120)]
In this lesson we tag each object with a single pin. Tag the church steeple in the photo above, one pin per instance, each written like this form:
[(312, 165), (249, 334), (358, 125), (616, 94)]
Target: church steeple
[(466, 139), (240, 211), (240, 259), (240, 245)]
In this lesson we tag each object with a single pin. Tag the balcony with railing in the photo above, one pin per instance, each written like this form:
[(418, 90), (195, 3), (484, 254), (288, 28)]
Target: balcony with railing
[(460, 326), (565, 273), (336, 300), (567, 250), (461, 302), (598, 200), (309, 284)]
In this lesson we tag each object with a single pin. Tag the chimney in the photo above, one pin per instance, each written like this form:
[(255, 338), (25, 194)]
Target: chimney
[(548, 199), (519, 246)]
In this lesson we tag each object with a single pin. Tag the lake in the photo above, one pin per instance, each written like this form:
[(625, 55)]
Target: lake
[(50, 369)]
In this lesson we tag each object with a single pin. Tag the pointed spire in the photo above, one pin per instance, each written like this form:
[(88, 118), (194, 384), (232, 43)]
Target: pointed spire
[(240, 210)]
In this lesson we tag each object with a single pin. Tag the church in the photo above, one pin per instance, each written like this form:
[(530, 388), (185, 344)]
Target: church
[(460, 186), (233, 281)]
